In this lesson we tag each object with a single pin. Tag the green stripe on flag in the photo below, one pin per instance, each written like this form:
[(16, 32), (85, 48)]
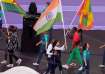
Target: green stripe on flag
[(13, 8), (1, 13), (85, 20), (49, 24), (46, 27), (58, 17)]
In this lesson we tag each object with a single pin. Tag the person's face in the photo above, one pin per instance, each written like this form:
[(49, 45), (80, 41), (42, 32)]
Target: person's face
[(57, 43), (88, 46), (53, 41), (9, 32)]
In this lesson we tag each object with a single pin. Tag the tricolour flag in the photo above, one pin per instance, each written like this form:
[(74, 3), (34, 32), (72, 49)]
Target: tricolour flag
[(86, 16), (0, 13), (52, 14), (12, 6)]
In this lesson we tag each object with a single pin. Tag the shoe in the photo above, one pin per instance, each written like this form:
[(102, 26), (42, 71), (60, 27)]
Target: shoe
[(81, 68), (3, 62), (10, 65), (35, 64), (101, 66), (19, 61), (65, 66), (73, 64), (44, 73)]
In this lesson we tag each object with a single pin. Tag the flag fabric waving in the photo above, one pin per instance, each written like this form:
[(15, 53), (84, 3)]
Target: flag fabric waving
[(0, 13), (52, 14), (12, 6), (86, 16)]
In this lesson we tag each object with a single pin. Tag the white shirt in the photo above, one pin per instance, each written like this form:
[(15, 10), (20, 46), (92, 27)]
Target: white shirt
[(59, 48), (50, 47), (48, 51)]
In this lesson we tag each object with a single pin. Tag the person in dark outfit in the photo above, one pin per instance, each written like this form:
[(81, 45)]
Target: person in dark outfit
[(43, 46), (0, 27), (54, 55), (12, 44), (103, 61)]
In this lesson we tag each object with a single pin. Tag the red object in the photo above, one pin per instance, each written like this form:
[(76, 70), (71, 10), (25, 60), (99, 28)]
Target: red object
[(76, 37)]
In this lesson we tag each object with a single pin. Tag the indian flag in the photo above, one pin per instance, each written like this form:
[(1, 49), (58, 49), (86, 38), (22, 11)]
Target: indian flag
[(86, 16), (52, 14), (12, 6)]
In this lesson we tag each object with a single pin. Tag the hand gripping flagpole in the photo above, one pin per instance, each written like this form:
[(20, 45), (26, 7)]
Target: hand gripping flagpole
[(5, 21), (63, 24)]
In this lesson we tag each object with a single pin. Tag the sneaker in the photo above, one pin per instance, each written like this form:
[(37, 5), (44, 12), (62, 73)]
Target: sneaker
[(10, 65), (19, 61), (101, 66), (73, 64), (81, 68), (65, 66), (44, 73), (3, 62), (35, 64)]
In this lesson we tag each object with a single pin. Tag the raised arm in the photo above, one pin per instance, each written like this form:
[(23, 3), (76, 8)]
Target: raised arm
[(39, 43), (60, 48), (102, 46)]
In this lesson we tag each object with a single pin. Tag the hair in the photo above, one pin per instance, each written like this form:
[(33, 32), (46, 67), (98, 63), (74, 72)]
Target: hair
[(74, 29), (84, 46), (32, 8), (55, 42), (12, 28), (51, 41), (77, 43), (53, 45), (48, 3), (80, 30)]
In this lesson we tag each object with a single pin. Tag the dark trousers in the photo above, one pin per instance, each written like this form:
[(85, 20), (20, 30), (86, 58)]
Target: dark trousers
[(104, 58), (40, 55), (50, 66), (53, 63), (0, 27), (12, 56), (86, 68), (0, 32), (6, 55)]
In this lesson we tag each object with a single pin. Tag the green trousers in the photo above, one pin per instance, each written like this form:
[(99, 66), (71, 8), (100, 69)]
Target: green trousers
[(75, 55)]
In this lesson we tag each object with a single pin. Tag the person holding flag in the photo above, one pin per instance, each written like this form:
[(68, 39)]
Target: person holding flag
[(43, 46), (75, 55)]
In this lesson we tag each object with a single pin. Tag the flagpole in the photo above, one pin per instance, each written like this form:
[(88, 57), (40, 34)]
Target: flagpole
[(5, 21), (63, 25), (76, 13)]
